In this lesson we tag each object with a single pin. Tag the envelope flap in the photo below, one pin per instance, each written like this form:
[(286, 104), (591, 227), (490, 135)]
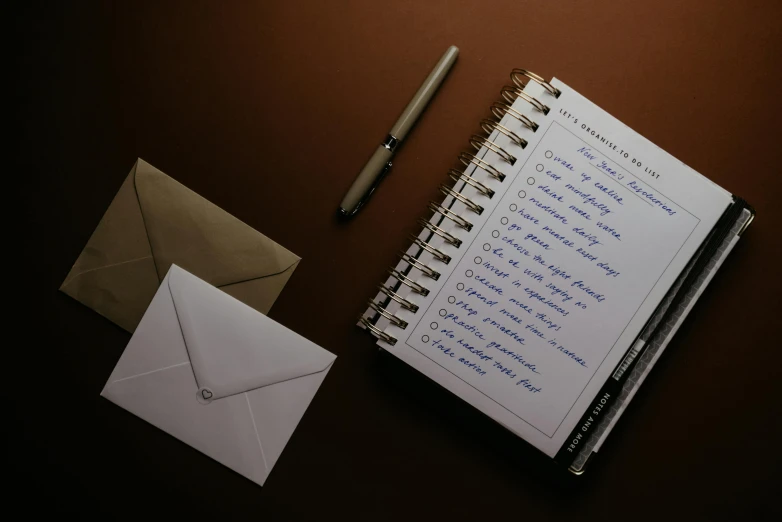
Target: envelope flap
[(233, 348), (187, 230)]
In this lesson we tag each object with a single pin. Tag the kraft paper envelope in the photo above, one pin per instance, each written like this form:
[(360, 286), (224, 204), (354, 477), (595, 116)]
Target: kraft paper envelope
[(217, 375), (155, 221)]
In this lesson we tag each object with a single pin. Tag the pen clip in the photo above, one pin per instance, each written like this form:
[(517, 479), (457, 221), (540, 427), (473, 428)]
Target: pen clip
[(369, 192)]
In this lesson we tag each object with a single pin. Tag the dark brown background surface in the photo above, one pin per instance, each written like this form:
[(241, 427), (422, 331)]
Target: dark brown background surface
[(269, 109)]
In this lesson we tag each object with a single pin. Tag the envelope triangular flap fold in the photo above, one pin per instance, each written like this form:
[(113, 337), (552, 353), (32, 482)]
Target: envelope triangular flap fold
[(115, 273), (186, 229), (281, 407), (223, 430), (158, 328), (233, 348)]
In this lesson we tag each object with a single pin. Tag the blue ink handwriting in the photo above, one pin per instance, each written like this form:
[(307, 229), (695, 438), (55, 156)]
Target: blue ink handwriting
[(513, 355), (588, 290), (507, 331), (548, 209), (650, 196), (533, 294), (589, 199)]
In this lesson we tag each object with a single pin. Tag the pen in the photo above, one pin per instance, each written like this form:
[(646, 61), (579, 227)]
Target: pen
[(378, 165)]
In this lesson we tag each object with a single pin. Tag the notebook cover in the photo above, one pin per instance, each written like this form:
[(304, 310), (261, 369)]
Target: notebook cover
[(670, 320)]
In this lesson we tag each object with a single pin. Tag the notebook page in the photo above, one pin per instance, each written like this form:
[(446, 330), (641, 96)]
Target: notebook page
[(562, 269)]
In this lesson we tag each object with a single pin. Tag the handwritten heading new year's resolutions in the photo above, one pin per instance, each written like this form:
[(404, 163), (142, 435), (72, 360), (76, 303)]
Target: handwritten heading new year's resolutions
[(552, 279)]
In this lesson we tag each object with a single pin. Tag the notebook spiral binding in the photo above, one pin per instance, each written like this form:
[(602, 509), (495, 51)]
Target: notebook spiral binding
[(499, 109)]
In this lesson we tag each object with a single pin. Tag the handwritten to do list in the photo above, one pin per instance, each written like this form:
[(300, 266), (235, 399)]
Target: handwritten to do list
[(552, 279)]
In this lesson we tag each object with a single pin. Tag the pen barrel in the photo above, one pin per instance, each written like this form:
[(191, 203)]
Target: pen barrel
[(424, 94), (365, 180)]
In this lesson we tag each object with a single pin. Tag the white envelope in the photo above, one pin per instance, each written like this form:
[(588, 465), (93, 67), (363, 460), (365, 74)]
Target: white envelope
[(217, 375)]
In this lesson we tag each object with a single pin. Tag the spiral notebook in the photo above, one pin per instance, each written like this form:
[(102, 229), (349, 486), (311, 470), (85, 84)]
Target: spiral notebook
[(563, 257)]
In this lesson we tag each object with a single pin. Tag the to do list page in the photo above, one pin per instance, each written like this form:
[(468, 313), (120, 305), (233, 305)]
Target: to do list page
[(572, 255)]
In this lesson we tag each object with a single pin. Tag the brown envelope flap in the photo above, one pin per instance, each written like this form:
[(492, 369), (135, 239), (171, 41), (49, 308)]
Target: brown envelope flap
[(119, 238), (187, 230), (115, 274)]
